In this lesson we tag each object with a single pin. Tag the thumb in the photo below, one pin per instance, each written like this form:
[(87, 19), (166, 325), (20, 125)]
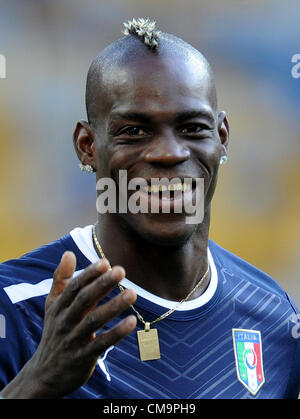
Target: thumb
[(62, 276)]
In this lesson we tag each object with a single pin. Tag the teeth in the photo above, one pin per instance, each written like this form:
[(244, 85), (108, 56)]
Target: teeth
[(173, 187), (187, 186)]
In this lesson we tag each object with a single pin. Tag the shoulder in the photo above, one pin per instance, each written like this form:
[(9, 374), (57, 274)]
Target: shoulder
[(260, 303), (31, 274), (233, 264), (39, 263), (32, 266), (24, 284)]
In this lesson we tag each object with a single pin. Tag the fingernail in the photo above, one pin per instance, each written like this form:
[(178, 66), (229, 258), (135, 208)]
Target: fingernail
[(99, 265), (131, 321), (127, 297)]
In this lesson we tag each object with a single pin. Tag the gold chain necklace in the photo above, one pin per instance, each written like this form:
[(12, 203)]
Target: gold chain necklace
[(148, 338)]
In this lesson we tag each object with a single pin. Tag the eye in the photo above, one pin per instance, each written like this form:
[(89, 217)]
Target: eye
[(133, 131), (194, 128)]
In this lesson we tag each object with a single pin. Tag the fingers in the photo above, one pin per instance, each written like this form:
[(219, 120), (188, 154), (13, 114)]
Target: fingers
[(88, 297), (78, 296), (67, 266), (78, 283), (97, 318), (111, 337), (70, 325), (61, 277)]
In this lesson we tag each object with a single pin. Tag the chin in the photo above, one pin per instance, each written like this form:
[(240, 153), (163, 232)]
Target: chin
[(165, 230)]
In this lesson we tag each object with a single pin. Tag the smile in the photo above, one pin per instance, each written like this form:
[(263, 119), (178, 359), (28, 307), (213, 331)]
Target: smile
[(179, 186), (156, 196)]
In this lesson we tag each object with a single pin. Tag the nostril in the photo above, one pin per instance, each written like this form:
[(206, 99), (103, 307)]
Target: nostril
[(167, 155)]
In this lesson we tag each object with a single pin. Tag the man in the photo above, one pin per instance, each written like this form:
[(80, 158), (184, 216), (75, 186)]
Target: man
[(189, 320)]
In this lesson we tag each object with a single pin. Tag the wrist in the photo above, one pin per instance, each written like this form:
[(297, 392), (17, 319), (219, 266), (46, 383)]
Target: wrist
[(28, 385)]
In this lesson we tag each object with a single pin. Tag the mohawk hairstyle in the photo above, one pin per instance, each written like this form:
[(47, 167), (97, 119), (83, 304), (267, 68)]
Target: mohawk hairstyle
[(145, 30)]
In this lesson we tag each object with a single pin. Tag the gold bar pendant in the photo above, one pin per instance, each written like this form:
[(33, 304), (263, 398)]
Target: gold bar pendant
[(148, 343)]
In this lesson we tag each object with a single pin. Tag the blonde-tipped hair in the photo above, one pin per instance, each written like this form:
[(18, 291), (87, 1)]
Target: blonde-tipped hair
[(145, 30)]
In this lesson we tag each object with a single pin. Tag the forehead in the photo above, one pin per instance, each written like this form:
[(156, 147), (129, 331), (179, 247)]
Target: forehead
[(158, 84)]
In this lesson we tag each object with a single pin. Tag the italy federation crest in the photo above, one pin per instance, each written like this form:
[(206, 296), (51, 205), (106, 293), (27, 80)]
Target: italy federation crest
[(248, 358)]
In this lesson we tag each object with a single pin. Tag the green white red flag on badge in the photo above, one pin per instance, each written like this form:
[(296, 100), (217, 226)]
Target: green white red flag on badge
[(248, 358)]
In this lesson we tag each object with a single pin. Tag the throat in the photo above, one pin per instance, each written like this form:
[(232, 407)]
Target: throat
[(175, 274), (169, 277)]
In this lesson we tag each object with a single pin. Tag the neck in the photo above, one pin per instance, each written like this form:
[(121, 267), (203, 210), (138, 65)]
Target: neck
[(170, 272)]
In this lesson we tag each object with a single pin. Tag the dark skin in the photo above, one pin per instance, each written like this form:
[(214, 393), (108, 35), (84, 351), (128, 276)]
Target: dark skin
[(177, 133), (67, 354), (158, 123)]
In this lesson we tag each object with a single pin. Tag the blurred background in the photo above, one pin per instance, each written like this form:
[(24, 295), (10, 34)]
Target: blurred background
[(49, 44)]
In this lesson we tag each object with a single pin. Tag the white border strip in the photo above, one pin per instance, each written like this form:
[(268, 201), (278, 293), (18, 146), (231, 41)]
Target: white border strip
[(187, 305), (24, 291)]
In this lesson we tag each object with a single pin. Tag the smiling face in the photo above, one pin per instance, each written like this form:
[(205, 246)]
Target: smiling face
[(158, 119)]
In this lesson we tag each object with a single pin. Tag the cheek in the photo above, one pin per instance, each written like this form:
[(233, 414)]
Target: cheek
[(112, 157), (208, 153), (123, 158)]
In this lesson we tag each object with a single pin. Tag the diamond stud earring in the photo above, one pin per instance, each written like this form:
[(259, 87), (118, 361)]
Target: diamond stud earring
[(86, 168), (223, 159)]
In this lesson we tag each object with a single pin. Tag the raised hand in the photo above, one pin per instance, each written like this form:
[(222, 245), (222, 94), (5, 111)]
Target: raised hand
[(68, 352)]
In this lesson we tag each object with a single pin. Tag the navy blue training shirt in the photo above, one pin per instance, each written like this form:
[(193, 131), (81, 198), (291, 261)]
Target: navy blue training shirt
[(239, 339)]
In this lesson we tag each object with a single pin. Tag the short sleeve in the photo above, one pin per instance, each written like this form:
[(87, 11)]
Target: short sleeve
[(13, 349)]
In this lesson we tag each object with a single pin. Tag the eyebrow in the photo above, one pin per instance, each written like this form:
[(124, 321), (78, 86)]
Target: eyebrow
[(196, 113), (179, 116), (132, 116)]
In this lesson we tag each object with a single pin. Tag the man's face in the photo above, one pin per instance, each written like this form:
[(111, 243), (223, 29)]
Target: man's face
[(158, 121)]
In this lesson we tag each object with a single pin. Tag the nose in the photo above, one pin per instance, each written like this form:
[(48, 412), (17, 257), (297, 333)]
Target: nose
[(167, 151)]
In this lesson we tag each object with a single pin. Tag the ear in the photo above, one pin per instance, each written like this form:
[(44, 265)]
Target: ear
[(223, 130), (84, 143)]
